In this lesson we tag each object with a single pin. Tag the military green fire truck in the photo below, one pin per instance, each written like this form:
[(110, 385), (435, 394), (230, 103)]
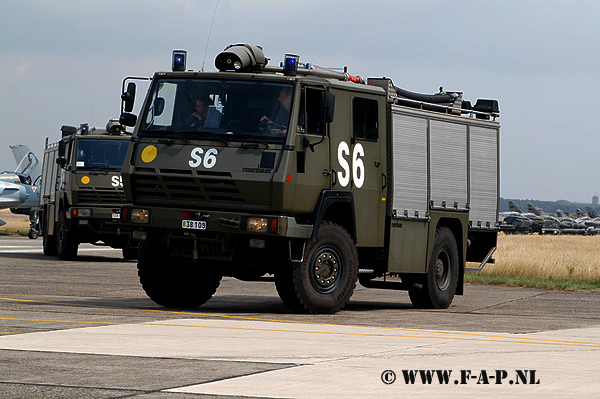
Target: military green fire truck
[(308, 177), (82, 190)]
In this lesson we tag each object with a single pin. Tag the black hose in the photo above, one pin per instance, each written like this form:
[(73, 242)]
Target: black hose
[(429, 98)]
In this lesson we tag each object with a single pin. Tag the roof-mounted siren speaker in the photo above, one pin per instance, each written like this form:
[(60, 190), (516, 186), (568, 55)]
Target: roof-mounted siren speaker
[(240, 57), (67, 130), (486, 108)]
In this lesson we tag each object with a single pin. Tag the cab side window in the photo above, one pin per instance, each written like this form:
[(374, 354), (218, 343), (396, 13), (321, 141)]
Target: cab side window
[(309, 120), (365, 125)]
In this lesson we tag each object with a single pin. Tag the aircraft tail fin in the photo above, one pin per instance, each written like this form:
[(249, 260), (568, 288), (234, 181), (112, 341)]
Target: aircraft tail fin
[(532, 209), (591, 212), (19, 151), (513, 207)]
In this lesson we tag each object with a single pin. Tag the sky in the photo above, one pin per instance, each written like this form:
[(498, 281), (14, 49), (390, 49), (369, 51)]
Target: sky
[(62, 62)]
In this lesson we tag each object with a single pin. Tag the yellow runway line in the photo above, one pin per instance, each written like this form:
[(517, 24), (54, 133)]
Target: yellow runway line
[(451, 335)]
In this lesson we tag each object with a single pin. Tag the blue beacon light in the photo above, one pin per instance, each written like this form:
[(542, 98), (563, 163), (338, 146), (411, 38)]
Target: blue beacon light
[(179, 60), (290, 64)]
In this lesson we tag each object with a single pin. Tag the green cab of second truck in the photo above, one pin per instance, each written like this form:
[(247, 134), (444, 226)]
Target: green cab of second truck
[(82, 191), (306, 177)]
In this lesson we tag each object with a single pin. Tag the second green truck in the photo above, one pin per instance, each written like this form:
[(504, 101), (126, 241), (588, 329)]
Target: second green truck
[(82, 191)]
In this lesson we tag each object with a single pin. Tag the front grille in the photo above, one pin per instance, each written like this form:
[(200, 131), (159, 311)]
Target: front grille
[(99, 195), (183, 186)]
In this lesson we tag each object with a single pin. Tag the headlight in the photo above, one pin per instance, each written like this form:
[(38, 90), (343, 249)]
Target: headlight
[(258, 225), (140, 215), (82, 212)]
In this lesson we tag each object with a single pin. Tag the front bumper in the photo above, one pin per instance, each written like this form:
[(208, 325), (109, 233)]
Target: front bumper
[(195, 221)]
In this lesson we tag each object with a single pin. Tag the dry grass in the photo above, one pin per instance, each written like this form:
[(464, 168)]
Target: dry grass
[(547, 257), (15, 224)]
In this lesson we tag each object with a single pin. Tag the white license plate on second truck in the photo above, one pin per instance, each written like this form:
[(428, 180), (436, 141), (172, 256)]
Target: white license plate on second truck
[(193, 224)]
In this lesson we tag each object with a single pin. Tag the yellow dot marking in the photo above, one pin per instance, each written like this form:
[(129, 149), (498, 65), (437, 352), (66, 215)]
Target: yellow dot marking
[(85, 179), (149, 153)]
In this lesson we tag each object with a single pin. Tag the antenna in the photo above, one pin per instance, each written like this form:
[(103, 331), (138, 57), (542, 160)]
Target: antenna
[(209, 32), (92, 113)]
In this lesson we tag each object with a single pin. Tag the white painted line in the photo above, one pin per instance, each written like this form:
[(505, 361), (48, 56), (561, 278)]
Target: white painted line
[(16, 246), (40, 250)]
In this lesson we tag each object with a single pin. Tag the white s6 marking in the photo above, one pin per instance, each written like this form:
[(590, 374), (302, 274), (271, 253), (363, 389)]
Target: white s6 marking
[(358, 166), (210, 160)]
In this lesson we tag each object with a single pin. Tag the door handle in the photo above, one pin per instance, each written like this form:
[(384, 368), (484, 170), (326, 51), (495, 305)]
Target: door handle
[(333, 175)]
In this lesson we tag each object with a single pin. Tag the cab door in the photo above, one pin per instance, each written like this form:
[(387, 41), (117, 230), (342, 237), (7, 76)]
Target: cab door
[(357, 138), (312, 162)]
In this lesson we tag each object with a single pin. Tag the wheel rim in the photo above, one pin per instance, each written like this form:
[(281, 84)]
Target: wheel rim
[(442, 270), (325, 269)]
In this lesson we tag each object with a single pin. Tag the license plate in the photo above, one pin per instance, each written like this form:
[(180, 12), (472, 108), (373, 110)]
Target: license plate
[(193, 224), (116, 215)]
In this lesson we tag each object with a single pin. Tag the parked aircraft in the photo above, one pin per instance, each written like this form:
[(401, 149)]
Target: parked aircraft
[(538, 222), (550, 224), (569, 225), (20, 191)]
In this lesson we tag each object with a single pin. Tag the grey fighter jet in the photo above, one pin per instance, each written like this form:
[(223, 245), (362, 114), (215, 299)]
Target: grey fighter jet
[(20, 191)]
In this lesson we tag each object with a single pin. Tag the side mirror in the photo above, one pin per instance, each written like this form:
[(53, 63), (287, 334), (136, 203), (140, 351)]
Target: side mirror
[(128, 119), (61, 161), (61, 149), (327, 106), (159, 106), (128, 97)]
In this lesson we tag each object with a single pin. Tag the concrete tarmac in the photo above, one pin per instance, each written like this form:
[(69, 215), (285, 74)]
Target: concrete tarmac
[(85, 329)]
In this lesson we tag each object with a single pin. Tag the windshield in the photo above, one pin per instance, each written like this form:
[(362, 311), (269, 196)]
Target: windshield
[(232, 110), (101, 154)]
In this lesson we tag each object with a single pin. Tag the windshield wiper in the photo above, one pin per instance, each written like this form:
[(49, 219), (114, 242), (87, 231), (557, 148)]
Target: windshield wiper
[(169, 140), (252, 140), (96, 170), (167, 137), (211, 136)]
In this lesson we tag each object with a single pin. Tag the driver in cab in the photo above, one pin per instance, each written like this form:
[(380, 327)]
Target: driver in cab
[(281, 112), (197, 118)]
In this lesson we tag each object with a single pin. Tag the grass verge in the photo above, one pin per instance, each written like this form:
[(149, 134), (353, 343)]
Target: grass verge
[(550, 283), (567, 263), (15, 224)]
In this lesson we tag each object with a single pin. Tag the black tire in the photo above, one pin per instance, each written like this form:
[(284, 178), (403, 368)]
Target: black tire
[(325, 280), (66, 241), (48, 241), (439, 287), (284, 282), (174, 283)]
